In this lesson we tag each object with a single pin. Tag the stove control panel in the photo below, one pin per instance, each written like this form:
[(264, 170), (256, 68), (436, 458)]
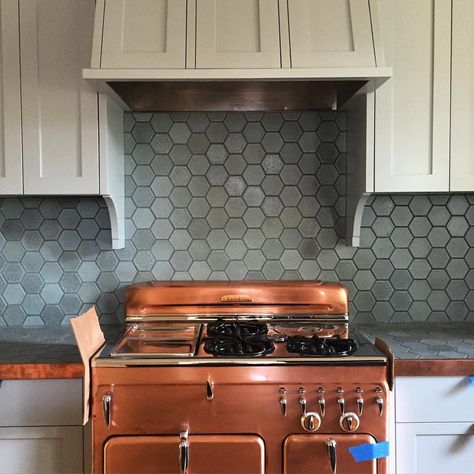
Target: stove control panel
[(340, 405)]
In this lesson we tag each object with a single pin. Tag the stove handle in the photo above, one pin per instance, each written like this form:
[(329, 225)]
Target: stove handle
[(106, 406), (331, 444), (184, 452)]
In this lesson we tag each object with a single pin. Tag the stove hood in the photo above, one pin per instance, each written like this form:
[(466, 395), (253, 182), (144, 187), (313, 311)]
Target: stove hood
[(191, 55)]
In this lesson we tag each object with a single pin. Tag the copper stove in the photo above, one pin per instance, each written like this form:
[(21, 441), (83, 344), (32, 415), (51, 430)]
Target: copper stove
[(238, 377)]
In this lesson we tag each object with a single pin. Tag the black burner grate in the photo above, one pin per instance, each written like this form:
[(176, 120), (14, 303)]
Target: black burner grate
[(227, 339), (324, 347)]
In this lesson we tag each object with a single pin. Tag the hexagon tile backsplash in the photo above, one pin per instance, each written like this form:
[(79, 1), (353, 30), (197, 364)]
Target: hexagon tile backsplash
[(236, 196)]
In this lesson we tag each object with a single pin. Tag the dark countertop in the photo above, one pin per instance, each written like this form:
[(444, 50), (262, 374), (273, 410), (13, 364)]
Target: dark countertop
[(39, 352), (427, 348)]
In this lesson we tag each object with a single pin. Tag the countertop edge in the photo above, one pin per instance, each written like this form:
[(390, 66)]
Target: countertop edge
[(433, 367), (31, 371)]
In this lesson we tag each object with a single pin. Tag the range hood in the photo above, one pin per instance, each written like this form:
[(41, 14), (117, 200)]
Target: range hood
[(191, 55)]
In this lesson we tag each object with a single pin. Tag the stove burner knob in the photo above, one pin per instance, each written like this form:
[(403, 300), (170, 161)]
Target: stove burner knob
[(311, 421), (303, 404), (321, 401), (349, 422), (322, 406), (379, 400), (340, 400), (360, 401)]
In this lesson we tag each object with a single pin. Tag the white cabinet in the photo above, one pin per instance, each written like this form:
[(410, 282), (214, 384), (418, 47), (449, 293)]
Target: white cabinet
[(59, 108), (243, 34), (462, 97), (144, 34), (11, 180), (330, 33), (412, 131), (434, 419), (435, 448), (40, 426), (41, 450)]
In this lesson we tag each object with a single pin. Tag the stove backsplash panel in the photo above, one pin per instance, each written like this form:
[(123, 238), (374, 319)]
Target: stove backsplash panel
[(236, 196)]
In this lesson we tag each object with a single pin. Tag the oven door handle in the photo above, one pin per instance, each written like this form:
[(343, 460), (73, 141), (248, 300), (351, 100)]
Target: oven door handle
[(184, 452), (106, 406), (331, 444)]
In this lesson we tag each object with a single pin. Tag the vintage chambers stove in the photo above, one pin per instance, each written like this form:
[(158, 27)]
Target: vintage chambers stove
[(238, 377)]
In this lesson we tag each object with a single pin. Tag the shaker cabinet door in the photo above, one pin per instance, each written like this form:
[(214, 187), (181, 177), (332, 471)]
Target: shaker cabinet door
[(462, 97), (304, 454), (330, 33), (59, 108), (237, 34), (144, 34), (40, 450), (435, 448), (11, 181), (413, 108), (208, 454)]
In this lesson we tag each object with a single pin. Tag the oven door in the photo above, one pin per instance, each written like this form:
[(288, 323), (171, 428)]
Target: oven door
[(325, 454), (198, 454)]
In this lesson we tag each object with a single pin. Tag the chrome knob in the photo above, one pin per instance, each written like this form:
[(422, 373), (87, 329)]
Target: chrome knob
[(301, 391), (283, 401), (360, 400), (340, 400), (379, 399), (311, 421), (322, 406), (349, 422)]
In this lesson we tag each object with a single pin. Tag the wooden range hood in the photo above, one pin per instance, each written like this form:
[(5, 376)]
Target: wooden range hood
[(166, 96)]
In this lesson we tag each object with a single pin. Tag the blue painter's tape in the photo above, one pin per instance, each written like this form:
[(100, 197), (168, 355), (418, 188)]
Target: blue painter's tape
[(367, 452), (471, 379)]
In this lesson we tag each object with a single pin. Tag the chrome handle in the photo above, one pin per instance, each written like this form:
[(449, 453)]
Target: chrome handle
[(303, 405), (379, 401), (360, 405), (342, 405), (283, 401), (106, 406), (322, 406), (209, 389), (184, 452), (331, 444), (311, 421)]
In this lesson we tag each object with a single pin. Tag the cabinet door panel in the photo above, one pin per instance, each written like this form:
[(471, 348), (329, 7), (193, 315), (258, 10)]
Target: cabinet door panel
[(435, 448), (462, 97), (144, 34), (413, 107), (243, 34), (309, 453), (60, 131), (330, 33), (34, 450), (208, 454), (11, 181)]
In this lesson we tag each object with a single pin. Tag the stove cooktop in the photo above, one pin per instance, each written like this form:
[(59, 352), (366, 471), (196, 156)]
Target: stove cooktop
[(233, 342)]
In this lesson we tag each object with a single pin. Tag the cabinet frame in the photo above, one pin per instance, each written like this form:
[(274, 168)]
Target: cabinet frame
[(11, 170)]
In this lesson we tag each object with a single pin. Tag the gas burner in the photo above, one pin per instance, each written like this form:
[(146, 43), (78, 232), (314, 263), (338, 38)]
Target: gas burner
[(229, 328), (298, 328), (227, 338), (316, 346)]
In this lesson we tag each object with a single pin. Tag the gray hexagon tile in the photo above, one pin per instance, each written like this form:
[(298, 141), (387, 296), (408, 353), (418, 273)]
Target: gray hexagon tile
[(237, 196)]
